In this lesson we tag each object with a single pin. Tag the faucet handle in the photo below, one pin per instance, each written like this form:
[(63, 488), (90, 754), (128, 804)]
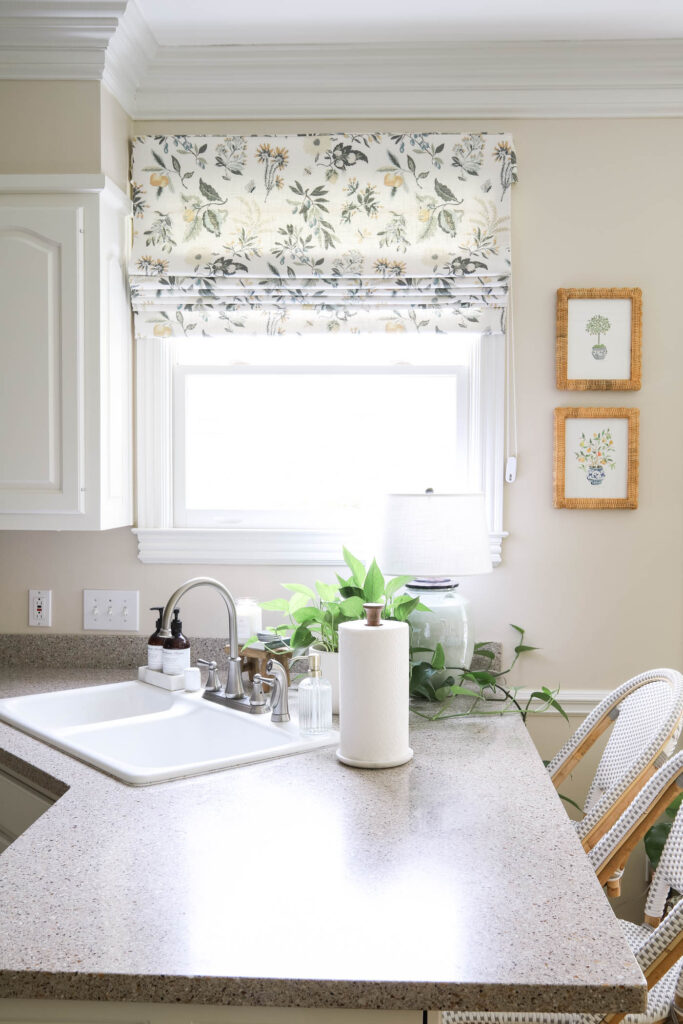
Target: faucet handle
[(258, 697), (279, 702), (213, 683)]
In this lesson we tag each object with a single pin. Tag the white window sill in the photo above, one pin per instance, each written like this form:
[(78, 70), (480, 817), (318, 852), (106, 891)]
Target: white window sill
[(254, 547)]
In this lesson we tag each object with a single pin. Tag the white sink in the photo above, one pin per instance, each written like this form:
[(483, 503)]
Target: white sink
[(142, 734)]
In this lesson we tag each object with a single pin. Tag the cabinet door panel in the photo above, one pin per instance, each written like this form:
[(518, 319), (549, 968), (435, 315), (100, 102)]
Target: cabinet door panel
[(41, 299)]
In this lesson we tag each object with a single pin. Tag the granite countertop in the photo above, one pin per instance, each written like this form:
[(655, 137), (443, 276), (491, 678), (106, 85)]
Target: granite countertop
[(453, 882)]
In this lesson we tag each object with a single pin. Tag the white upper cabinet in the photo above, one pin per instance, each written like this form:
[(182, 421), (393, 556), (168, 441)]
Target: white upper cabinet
[(65, 350)]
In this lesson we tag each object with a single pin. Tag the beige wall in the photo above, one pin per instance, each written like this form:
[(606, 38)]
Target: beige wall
[(598, 205), (50, 127), (115, 134)]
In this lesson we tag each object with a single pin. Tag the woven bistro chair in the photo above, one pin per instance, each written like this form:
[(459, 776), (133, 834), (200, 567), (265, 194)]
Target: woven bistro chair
[(657, 944), (646, 714)]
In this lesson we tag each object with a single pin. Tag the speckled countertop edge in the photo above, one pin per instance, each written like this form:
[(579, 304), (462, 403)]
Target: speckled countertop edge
[(62, 773)]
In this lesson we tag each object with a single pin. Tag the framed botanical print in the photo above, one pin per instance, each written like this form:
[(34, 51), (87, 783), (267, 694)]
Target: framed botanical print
[(598, 339), (596, 458)]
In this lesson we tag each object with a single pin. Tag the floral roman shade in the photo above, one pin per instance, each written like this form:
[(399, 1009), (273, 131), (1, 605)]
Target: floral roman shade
[(300, 233)]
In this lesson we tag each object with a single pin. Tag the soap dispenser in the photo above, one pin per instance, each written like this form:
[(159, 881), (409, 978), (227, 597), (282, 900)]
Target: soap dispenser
[(315, 700), (175, 657), (155, 643)]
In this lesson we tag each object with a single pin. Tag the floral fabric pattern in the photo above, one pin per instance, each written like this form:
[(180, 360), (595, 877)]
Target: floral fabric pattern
[(298, 233)]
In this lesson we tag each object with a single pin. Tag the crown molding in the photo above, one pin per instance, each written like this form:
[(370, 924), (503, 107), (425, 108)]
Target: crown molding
[(560, 79), (130, 54), (109, 41), (56, 39)]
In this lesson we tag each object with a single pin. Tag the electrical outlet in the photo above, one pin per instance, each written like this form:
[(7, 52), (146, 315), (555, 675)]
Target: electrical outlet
[(40, 607), (111, 609)]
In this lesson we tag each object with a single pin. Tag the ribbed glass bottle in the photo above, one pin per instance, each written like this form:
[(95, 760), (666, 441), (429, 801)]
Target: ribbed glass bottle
[(315, 700)]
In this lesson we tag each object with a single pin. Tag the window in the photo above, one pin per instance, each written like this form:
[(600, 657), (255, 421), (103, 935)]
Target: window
[(319, 319), (278, 447)]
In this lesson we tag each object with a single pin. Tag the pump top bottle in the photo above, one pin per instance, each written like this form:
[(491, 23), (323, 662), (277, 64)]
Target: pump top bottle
[(175, 655), (315, 700), (155, 643)]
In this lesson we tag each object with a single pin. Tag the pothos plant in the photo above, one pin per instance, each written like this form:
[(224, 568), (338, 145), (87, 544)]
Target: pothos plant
[(314, 616), (486, 687)]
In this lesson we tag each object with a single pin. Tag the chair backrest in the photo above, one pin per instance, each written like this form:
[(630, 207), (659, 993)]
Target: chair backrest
[(611, 852), (647, 713), (662, 947), (669, 873)]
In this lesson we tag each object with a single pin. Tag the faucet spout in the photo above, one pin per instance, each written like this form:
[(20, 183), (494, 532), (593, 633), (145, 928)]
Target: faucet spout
[(233, 685)]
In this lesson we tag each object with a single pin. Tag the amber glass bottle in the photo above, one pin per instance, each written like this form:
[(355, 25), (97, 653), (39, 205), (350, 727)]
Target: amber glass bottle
[(175, 656)]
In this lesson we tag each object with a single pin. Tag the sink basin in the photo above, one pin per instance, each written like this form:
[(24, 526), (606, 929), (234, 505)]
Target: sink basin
[(142, 734)]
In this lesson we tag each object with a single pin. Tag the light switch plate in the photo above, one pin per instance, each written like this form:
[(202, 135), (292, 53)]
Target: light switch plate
[(111, 609)]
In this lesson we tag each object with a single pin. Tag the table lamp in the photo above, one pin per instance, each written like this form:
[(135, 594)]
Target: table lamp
[(434, 538)]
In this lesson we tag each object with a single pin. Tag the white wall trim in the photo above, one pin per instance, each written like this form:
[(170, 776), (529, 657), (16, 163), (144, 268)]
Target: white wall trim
[(130, 53), (109, 41), (442, 79), (250, 547), (56, 39), (61, 184), (574, 702)]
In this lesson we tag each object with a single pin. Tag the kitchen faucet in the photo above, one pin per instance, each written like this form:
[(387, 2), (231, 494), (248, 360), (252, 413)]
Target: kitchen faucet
[(233, 696)]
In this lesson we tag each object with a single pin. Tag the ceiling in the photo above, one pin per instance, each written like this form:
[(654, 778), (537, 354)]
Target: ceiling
[(217, 22)]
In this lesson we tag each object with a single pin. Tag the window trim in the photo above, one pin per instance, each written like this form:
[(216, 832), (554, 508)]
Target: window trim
[(160, 542)]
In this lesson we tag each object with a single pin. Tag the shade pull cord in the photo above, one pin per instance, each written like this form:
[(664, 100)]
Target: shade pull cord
[(510, 397)]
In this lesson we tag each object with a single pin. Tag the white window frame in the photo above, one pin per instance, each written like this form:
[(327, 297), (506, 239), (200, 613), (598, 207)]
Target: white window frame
[(263, 541)]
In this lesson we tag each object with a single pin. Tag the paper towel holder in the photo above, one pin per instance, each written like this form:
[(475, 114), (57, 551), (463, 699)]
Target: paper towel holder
[(373, 613)]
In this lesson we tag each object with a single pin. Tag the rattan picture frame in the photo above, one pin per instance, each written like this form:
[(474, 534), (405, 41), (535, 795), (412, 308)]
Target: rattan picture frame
[(612, 314), (595, 463)]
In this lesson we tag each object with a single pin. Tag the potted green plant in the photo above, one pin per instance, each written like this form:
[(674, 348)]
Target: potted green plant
[(482, 687), (314, 616)]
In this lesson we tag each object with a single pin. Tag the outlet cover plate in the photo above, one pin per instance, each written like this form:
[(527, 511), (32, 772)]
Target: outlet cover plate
[(111, 609), (40, 607)]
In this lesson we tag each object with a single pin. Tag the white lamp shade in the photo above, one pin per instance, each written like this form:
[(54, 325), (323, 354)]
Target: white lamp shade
[(434, 535)]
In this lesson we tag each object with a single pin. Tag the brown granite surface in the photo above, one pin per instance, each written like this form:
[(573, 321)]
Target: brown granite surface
[(455, 882)]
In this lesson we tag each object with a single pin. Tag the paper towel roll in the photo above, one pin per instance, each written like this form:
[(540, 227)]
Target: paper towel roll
[(374, 694)]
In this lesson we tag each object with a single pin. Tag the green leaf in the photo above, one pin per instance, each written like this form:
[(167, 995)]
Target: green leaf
[(302, 637), (350, 592), (300, 588), (443, 192), (332, 612), (484, 679), (373, 588), (356, 566), (402, 609), (176, 164), (518, 628), (525, 647), (305, 615), (297, 601), (249, 641), (328, 592), (672, 809), (568, 800), (411, 164), (352, 607), (280, 604), (463, 692), (654, 840), (438, 658), (548, 699), (395, 584), (211, 222), (447, 223), (209, 192)]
